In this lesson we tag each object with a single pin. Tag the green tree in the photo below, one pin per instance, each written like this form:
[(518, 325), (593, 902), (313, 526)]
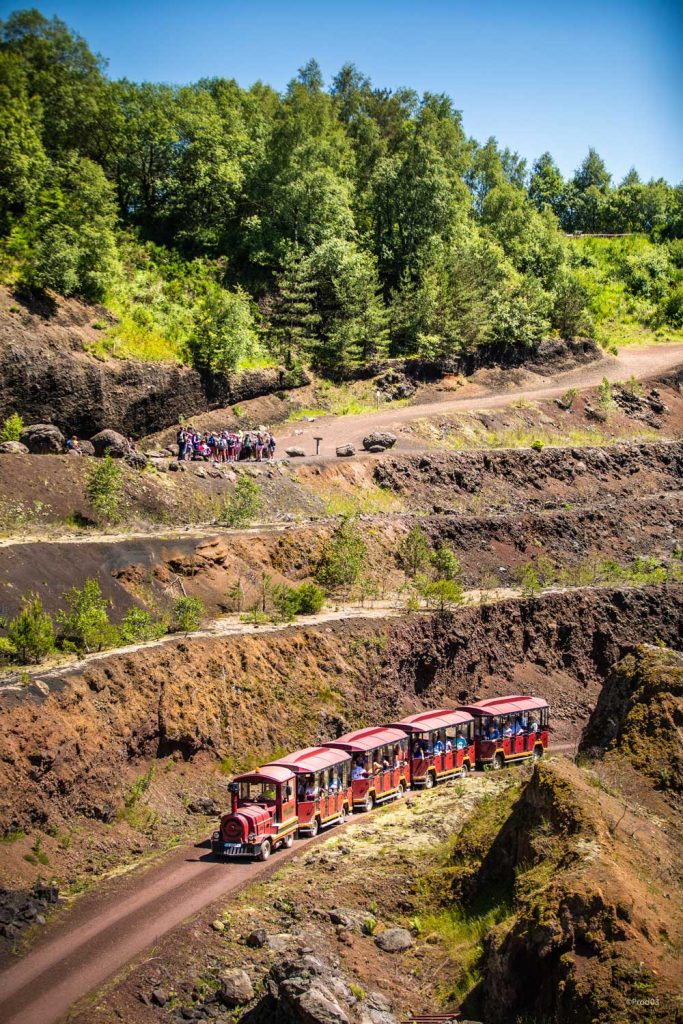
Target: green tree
[(343, 558), (442, 595), (138, 626), (293, 318), (85, 625), (244, 506), (223, 330), (414, 551), (546, 185), (31, 632), (104, 488), (188, 615), (446, 564), (569, 313), (23, 162), (71, 231), (285, 601)]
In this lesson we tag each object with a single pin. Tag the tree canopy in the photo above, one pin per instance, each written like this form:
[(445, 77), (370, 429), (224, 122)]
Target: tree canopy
[(329, 225)]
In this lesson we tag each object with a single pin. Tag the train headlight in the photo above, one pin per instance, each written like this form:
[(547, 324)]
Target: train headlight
[(252, 837), (216, 836)]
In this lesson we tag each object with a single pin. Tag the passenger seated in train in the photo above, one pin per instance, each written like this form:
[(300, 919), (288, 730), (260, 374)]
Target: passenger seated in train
[(418, 752), (518, 726), (376, 766), (438, 746), (386, 763), (311, 791), (533, 724), (507, 728), (460, 740), (449, 745), (335, 782), (397, 756), (492, 731), (359, 771)]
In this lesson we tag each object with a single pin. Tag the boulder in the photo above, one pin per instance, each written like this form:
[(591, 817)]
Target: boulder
[(87, 447), (13, 448), (394, 940), (379, 439), (112, 442), (43, 439), (236, 987), (257, 939), (376, 449), (295, 453), (136, 459), (345, 450)]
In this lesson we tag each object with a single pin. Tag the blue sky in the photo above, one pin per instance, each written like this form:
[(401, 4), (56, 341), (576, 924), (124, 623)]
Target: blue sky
[(557, 76)]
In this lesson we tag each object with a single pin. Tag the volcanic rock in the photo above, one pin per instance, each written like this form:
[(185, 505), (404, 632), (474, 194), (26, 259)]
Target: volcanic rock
[(13, 448), (394, 940), (43, 439), (236, 988), (112, 442), (379, 439)]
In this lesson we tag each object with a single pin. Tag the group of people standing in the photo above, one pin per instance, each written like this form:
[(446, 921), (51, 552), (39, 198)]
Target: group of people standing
[(219, 446)]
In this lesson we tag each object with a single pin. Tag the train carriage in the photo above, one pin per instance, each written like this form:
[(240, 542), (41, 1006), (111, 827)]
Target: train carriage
[(262, 816), (380, 769), (323, 786), (509, 729), (441, 745)]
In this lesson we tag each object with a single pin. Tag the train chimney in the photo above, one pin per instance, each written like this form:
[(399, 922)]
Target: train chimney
[(233, 789)]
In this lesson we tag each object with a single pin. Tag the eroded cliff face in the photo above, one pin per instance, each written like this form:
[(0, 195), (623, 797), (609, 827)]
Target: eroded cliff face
[(71, 743)]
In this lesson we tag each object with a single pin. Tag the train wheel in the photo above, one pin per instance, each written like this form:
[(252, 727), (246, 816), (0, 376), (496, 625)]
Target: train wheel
[(342, 816), (465, 770), (429, 780), (265, 851), (537, 754), (497, 762), (401, 791), (314, 827), (369, 802), (288, 841)]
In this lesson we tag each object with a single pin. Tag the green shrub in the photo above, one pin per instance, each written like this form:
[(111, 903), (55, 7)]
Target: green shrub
[(442, 594), (446, 565), (11, 428), (343, 557), (311, 599), (605, 397), (569, 397), (104, 488), (85, 627), (537, 444), (285, 601), (244, 506), (414, 551), (528, 579), (188, 615), (672, 307), (138, 626), (31, 634)]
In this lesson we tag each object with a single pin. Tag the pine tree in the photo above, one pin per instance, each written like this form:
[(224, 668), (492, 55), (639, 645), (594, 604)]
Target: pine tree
[(294, 320)]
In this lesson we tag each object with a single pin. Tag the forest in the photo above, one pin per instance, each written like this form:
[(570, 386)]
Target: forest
[(325, 226)]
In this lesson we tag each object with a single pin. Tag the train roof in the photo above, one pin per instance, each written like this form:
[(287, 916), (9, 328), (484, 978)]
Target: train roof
[(367, 739), (312, 759), (506, 705), (268, 773), (425, 721)]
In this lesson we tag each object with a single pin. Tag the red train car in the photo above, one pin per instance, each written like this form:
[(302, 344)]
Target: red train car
[(380, 769), (263, 814), (323, 786), (509, 729), (441, 745)]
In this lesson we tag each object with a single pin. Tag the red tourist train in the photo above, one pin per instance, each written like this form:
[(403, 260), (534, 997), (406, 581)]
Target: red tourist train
[(317, 787)]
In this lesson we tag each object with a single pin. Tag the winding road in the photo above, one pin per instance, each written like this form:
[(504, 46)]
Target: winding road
[(110, 926)]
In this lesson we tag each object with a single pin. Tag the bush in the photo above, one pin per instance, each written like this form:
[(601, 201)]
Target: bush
[(11, 428), (537, 444), (85, 627), (343, 557), (311, 599), (413, 552), (672, 307), (285, 601), (446, 564), (138, 626), (188, 615), (244, 506), (31, 635), (442, 594), (104, 488), (605, 397)]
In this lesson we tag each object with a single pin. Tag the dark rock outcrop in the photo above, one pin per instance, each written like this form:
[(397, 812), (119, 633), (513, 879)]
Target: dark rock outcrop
[(379, 440), (13, 448)]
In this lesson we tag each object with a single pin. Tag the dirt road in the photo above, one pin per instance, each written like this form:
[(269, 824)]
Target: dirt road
[(337, 430), (109, 927)]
